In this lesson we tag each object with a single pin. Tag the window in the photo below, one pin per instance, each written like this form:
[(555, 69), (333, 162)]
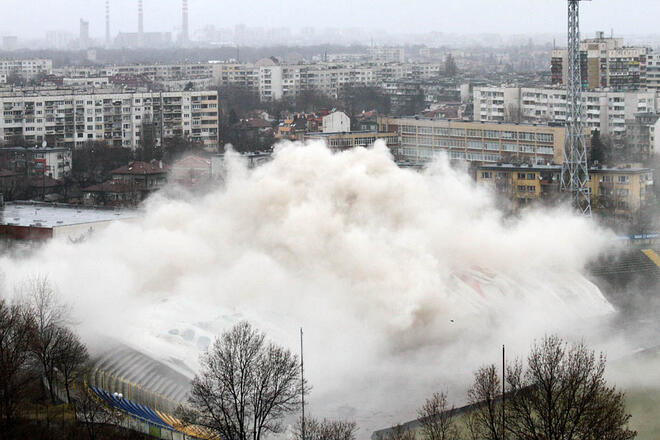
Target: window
[(509, 147), (522, 188), (521, 176), (486, 174), (531, 176), (531, 189), (623, 192), (491, 134), (494, 146), (623, 179), (606, 179)]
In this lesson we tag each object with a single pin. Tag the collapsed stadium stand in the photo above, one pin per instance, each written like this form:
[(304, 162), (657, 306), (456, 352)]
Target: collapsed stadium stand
[(148, 421)]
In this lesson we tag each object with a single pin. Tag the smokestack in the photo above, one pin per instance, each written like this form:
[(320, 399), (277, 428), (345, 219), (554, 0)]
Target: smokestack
[(140, 24), (107, 23), (184, 25)]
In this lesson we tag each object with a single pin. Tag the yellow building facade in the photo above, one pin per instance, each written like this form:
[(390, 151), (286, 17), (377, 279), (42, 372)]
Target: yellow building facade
[(618, 192)]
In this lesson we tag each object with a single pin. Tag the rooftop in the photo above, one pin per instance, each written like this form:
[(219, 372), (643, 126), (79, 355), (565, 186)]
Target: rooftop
[(347, 133), (592, 169), (48, 215), (137, 167)]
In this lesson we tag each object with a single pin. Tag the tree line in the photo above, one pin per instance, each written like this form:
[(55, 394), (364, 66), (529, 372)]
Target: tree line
[(248, 387), (43, 363), (558, 393)]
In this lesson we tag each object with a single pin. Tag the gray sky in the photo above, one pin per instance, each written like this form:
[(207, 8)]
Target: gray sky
[(35, 17)]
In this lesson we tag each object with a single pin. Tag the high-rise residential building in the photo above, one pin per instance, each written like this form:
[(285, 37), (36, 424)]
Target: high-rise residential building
[(605, 111), (83, 38), (653, 71), (387, 54), (69, 119), (605, 62), (421, 139)]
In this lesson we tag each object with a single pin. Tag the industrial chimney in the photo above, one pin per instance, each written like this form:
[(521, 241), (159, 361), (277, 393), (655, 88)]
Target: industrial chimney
[(185, 37), (140, 25), (107, 23)]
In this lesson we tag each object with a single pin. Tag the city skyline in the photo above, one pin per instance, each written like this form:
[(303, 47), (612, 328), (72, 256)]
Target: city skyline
[(540, 16)]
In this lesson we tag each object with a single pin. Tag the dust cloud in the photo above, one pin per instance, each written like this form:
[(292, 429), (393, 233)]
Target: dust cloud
[(404, 282)]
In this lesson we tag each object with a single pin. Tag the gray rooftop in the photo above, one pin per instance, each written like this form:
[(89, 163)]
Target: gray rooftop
[(48, 215)]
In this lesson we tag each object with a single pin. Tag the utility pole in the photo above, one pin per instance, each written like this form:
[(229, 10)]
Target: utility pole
[(302, 379), (574, 169), (503, 391)]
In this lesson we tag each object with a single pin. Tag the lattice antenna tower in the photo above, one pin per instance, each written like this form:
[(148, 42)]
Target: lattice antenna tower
[(574, 170)]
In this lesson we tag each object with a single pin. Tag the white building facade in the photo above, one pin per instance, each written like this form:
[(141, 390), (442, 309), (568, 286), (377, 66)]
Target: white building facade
[(71, 119)]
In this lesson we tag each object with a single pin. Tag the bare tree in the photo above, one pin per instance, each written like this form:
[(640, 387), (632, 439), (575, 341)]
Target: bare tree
[(326, 429), (245, 386), (561, 394), (397, 432), (16, 332), (485, 421), (92, 412), (49, 316), (437, 418), (70, 358)]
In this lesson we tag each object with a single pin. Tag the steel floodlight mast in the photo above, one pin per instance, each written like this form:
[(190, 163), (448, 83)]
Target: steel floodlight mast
[(574, 170)]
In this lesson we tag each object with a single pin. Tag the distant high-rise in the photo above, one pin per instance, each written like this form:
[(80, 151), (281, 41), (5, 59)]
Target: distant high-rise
[(107, 23), (84, 34), (140, 25), (185, 37)]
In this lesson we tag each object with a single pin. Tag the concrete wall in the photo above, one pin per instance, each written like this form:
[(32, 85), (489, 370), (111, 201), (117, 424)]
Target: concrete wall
[(337, 122)]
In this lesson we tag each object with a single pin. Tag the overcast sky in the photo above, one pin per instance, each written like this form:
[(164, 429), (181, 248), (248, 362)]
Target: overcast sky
[(35, 17)]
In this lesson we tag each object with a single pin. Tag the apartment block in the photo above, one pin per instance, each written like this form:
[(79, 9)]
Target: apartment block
[(154, 72), (421, 139), (27, 69), (35, 161), (605, 62), (274, 80), (69, 119), (605, 111), (618, 192), (387, 54)]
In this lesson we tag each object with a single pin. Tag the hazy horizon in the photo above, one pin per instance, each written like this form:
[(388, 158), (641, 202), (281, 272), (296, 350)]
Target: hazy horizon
[(36, 17)]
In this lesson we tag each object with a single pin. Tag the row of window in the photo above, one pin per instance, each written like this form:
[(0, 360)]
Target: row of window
[(488, 134)]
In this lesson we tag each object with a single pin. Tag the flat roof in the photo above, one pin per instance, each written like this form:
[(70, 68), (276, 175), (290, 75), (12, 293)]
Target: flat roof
[(47, 215), (595, 170), (347, 133)]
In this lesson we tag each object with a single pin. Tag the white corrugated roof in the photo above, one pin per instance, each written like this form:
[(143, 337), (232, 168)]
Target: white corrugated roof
[(50, 215)]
